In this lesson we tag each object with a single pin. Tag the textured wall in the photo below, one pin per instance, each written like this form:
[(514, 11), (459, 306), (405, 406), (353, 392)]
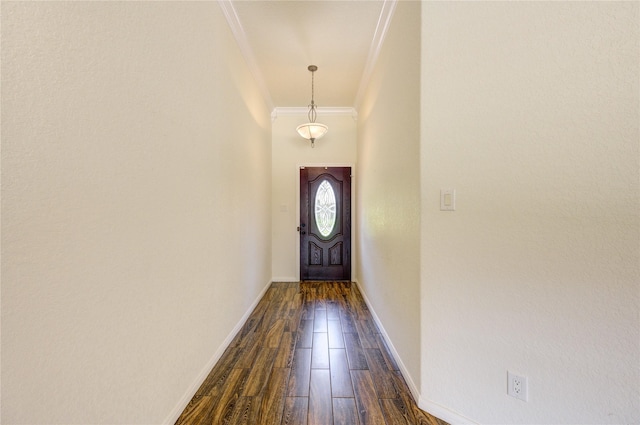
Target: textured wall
[(388, 207), (290, 151), (531, 112), (135, 191)]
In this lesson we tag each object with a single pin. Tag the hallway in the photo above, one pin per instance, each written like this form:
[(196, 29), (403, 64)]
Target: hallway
[(310, 353)]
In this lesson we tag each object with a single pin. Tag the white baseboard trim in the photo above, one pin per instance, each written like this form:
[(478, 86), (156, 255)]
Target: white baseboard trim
[(428, 406), (405, 373), (443, 413), (191, 391), (285, 279)]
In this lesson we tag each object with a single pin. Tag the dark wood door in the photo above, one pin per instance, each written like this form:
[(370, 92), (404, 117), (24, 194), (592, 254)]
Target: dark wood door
[(325, 223)]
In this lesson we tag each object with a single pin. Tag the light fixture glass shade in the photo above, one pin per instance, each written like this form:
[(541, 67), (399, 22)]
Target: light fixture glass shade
[(312, 130)]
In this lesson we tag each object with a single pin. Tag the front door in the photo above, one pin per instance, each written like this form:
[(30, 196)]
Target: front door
[(325, 223)]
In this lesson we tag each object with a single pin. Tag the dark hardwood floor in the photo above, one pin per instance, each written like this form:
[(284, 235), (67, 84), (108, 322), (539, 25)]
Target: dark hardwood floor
[(310, 353)]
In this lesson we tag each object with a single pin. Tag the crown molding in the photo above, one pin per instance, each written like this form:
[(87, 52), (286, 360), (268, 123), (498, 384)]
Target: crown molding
[(384, 21), (326, 110), (241, 38)]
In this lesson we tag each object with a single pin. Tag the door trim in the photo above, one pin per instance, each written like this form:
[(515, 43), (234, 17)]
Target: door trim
[(354, 246)]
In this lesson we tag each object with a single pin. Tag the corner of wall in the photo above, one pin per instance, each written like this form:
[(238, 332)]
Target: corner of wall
[(403, 369), (191, 391)]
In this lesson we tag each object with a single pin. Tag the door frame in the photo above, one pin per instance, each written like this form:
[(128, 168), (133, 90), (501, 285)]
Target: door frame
[(353, 223)]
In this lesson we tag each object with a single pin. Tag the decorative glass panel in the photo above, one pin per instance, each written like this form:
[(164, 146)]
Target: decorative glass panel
[(325, 208)]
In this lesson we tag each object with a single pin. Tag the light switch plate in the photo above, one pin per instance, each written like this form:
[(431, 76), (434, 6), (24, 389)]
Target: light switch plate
[(447, 199)]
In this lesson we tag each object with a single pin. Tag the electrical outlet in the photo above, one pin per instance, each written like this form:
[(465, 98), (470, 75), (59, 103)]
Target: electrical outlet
[(517, 386)]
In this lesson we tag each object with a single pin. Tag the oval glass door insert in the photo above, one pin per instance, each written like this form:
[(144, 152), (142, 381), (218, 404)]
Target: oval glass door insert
[(325, 208)]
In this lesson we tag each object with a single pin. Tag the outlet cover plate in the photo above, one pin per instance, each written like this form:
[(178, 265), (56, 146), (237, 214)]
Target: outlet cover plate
[(517, 386)]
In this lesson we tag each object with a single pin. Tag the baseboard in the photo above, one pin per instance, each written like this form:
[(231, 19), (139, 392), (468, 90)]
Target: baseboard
[(428, 406), (405, 373), (285, 279), (191, 391), (443, 413)]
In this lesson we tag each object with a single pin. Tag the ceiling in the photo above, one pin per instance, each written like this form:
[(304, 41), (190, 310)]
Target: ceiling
[(281, 38)]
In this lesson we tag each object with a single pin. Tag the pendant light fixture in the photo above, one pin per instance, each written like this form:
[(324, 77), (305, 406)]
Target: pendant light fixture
[(312, 130)]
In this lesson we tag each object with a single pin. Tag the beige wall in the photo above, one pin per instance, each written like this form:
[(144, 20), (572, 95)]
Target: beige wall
[(289, 152), (531, 112), (135, 192), (388, 206)]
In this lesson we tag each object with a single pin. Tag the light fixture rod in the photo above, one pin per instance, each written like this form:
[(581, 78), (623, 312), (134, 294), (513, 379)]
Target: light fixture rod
[(312, 108)]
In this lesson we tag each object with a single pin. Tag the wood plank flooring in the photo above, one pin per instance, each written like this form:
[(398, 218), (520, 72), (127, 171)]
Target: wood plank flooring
[(310, 353)]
